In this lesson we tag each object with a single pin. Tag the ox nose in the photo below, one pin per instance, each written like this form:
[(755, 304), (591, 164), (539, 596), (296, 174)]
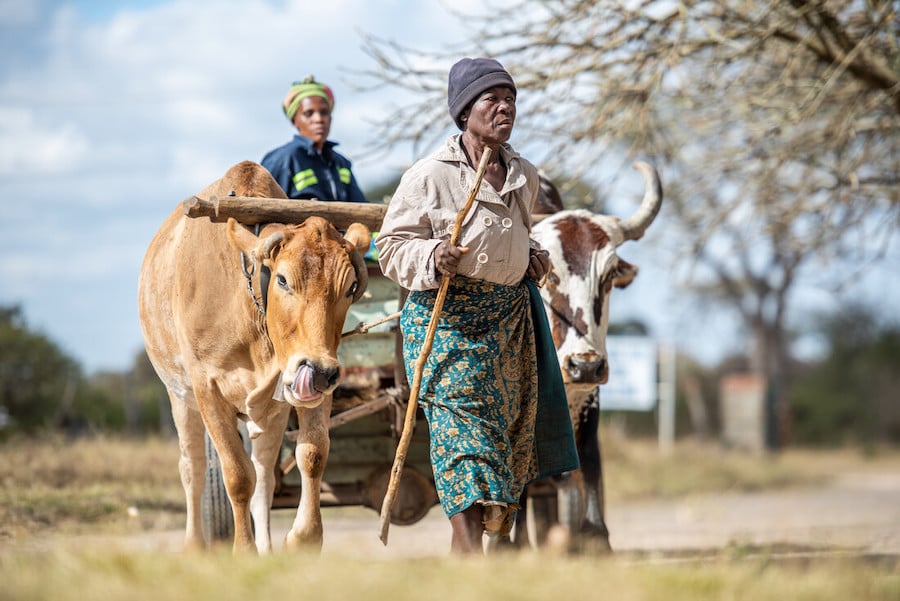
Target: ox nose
[(589, 370), (324, 378)]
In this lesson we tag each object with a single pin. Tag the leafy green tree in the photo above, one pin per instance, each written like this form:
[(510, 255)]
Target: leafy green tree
[(148, 397), (39, 383)]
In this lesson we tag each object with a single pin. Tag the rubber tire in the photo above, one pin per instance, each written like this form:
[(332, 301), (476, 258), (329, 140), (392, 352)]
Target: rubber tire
[(215, 506)]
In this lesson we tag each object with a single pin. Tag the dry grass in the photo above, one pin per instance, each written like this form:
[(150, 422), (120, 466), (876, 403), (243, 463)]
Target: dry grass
[(637, 469), (120, 485), (56, 486), (105, 574)]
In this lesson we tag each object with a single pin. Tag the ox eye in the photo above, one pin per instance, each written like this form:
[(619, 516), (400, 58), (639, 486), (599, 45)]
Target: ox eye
[(282, 281), (353, 288)]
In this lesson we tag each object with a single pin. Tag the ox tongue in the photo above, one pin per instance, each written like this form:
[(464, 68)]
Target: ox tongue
[(303, 383)]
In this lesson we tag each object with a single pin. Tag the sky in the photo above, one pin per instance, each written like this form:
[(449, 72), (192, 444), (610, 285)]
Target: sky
[(112, 113)]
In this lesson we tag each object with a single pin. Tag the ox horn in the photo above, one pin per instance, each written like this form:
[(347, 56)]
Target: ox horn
[(265, 249), (362, 274), (633, 228)]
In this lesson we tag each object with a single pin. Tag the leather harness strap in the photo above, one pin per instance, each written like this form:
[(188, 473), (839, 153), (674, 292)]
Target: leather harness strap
[(265, 275)]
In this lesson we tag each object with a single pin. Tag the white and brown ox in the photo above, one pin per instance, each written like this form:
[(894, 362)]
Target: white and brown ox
[(585, 268), (224, 343)]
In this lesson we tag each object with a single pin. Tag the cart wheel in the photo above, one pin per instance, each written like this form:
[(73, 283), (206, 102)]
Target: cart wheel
[(215, 506), (415, 494)]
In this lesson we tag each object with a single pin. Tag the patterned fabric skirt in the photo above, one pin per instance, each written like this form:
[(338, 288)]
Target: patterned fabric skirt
[(479, 389)]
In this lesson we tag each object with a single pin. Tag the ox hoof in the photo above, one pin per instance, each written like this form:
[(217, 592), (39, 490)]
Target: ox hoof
[(303, 543), (594, 540), (559, 540)]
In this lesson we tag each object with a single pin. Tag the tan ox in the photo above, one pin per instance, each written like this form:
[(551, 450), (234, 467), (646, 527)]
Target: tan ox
[(224, 344)]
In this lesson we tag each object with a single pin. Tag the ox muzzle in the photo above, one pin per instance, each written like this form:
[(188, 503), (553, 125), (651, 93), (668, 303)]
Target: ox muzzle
[(308, 384), (586, 368)]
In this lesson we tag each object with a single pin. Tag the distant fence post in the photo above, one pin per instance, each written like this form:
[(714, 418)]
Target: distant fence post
[(667, 359)]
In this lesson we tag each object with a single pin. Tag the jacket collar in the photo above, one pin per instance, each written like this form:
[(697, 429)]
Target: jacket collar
[(306, 144), (452, 152)]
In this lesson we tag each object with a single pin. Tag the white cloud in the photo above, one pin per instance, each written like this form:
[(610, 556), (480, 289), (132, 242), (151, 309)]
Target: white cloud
[(38, 148), (111, 114)]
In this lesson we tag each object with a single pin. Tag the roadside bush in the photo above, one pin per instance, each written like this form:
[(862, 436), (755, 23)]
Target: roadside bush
[(853, 395)]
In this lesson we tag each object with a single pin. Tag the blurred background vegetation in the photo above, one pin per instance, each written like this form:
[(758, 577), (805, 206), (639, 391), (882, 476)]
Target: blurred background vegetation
[(42, 388), (848, 397)]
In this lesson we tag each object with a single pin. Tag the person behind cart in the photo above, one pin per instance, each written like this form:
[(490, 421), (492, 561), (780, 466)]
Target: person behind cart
[(483, 378), (308, 167)]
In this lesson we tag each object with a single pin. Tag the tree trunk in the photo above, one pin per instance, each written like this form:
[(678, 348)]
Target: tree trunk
[(770, 360)]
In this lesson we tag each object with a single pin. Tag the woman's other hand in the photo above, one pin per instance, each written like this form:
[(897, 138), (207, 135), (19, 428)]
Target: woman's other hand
[(538, 264)]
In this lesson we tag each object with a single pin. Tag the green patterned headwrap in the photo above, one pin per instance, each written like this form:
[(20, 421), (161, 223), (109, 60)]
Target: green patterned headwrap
[(304, 89)]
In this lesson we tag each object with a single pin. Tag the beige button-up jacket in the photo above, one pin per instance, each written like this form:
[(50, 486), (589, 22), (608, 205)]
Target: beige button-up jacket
[(423, 210)]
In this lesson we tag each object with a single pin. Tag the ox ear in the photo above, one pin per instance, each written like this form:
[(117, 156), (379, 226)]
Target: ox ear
[(240, 238), (360, 238), (624, 273), (246, 242)]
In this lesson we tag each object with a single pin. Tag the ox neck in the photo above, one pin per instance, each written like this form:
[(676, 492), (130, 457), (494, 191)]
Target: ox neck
[(264, 275)]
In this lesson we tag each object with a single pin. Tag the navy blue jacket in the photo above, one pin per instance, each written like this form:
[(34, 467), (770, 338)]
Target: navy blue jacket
[(304, 173)]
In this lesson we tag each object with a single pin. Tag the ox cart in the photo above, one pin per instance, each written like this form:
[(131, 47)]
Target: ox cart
[(368, 407)]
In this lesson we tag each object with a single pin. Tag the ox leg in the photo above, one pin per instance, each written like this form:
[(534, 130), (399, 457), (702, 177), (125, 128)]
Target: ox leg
[(237, 469), (313, 445), (265, 454), (593, 532), (191, 466)]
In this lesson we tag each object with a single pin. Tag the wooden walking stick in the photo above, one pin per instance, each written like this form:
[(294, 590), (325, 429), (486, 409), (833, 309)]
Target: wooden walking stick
[(410, 420)]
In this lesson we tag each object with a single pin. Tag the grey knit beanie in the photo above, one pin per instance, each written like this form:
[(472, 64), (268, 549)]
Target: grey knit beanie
[(469, 77)]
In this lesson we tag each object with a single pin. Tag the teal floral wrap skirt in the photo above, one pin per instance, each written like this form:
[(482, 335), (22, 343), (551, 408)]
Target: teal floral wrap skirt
[(479, 389)]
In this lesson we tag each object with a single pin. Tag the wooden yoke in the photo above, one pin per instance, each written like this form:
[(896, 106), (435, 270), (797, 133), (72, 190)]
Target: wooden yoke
[(249, 211)]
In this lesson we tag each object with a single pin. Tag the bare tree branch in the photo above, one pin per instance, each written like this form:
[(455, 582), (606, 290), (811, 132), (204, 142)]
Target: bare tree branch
[(778, 123)]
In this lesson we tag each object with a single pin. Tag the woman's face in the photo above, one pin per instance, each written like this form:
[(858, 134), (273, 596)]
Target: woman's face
[(313, 120), (493, 115)]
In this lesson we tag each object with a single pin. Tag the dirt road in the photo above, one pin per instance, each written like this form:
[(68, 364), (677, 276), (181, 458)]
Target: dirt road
[(856, 513)]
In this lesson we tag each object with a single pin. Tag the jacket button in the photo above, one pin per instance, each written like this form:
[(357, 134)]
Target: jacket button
[(507, 222), (487, 221), (482, 258)]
